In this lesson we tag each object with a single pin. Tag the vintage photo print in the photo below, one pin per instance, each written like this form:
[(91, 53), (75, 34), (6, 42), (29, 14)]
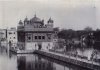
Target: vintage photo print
[(49, 35)]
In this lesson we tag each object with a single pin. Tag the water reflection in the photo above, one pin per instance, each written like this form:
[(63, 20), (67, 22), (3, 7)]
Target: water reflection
[(32, 62), (10, 61), (35, 62)]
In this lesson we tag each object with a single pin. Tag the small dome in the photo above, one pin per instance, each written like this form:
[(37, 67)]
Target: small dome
[(50, 20), (20, 22), (26, 19)]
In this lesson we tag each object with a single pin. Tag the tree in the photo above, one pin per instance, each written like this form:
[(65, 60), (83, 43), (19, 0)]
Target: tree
[(97, 29), (88, 28), (67, 34)]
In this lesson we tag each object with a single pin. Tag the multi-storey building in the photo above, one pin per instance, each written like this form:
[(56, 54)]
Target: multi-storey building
[(3, 37), (12, 37), (35, 34)]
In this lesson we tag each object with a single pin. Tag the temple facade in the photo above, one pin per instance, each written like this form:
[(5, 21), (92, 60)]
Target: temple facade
[(35, 34)]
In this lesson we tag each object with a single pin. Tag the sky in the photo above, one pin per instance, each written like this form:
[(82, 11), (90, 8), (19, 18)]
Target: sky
[(67, 14)]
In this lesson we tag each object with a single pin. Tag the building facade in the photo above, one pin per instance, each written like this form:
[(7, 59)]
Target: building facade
[(3, 34), (3, 37), (35, 34), (12, 37)]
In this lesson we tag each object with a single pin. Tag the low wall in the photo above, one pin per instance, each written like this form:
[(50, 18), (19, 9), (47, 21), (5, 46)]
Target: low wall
[(65, 59)]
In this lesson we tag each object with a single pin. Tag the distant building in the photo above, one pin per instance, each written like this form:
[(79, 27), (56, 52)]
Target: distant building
[(3, 37), (35, 34), (12, 36), (3, 34)]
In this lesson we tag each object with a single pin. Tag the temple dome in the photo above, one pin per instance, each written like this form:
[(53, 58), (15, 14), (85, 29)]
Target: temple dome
[(36, 19)]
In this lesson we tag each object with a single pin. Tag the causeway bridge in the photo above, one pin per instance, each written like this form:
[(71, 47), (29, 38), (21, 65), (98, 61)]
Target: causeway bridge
[(72, 60)]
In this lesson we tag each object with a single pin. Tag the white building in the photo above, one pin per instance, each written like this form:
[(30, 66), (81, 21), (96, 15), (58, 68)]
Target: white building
[(2, 33), (3, 37), (12, 36)]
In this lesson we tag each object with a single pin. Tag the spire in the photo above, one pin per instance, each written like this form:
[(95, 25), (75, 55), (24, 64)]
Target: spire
[(50, 18), (35, 14), (26, 16)]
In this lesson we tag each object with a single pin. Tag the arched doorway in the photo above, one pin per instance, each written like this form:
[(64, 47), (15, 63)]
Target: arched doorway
[(39, 46)]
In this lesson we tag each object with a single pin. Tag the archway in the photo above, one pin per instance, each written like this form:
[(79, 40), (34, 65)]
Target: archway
[(39, 46)]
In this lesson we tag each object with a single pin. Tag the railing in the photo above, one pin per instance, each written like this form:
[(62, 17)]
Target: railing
[(71, 60), (74, 55)]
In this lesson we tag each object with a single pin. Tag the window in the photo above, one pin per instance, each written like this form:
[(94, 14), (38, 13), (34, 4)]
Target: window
[(43, 37), (10, 33), (29, 38), (35, 45), (39, 37), (49, 37), (14, 37), (35, 37)]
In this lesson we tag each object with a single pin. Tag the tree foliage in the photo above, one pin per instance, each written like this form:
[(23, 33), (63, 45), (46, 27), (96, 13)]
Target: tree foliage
[(88, 28), (67, 34)]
